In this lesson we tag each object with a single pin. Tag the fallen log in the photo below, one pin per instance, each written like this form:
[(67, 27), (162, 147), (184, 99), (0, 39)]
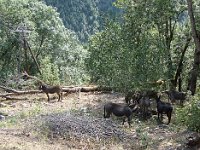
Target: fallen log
[(9, 90), (87, 89), (20, 93), (13, 92), (14, 98)]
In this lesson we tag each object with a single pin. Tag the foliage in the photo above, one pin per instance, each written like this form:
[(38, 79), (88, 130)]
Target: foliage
[(85, 17), (189, 114), (136, 51), (46, 36), (72, 64), (50, 71)]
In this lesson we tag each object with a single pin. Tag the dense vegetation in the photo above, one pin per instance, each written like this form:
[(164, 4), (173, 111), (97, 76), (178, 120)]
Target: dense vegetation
[(31, 33), (85, 17), (152, 42), (149, 41)]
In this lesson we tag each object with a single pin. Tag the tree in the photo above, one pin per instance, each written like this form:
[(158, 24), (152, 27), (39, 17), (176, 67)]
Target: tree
[(141, 47), (194, 72), (47, 36), (84, 17)]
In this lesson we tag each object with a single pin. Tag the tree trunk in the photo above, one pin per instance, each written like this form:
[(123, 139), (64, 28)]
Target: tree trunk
[(194, 72), (180, 66), (27, 46), (168, 40), (35, 60)]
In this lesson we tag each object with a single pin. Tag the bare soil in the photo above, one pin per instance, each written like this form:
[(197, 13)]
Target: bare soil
[(77, 123)]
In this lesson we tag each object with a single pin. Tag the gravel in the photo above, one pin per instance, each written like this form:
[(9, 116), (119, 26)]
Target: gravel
[(65, 125)]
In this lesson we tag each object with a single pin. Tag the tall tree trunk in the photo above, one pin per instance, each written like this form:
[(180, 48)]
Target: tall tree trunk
[(169, 33), (180, 65), (194, 72), (25, 55), (27, 46), (35, 60)]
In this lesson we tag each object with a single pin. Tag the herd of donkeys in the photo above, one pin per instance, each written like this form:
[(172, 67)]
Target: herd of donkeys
[(140, 101), (135, 101)]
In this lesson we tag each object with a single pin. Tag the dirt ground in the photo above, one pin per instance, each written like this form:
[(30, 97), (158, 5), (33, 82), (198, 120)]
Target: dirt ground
[(148, 134)]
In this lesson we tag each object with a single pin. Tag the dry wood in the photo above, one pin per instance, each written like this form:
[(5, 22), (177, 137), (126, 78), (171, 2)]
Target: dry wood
[(68, 89), (26, 76), (13, 92), (9, 90), (14, 98), (87, 89), (20, 93)]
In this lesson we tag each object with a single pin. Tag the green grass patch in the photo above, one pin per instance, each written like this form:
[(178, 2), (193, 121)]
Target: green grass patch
[(14, 120)]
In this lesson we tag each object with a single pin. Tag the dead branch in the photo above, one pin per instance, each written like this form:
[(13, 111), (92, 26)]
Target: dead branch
[(13, 92), (87, 89), (14, 98), (9, 90), (26, 76), (20, 93)]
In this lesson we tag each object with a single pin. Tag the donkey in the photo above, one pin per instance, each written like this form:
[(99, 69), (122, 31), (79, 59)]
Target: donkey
[(152, 94), (144, 104), (119, 110), (164, 108), (134, 96), (175, 95), (51, 89)]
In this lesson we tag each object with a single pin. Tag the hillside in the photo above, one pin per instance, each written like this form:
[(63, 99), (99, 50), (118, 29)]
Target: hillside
[(85, 17)]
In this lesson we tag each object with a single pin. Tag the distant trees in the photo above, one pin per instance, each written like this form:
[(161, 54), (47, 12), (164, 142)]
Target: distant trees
[(85, 17), (31, 31)]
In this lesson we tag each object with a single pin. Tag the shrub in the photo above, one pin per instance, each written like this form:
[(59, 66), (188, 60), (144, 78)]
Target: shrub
[(189, 115), (50, 71)]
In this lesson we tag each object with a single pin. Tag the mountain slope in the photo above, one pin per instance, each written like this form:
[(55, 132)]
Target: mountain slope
[(85, 17)]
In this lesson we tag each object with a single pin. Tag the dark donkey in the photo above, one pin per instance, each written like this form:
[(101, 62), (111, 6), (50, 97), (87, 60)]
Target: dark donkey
[(135, 96), (164, 108), (175, 95), (52, 89), (118, 110)]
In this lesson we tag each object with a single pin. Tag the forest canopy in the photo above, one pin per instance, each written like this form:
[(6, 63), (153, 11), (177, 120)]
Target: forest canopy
[(151, 42), (33, 34), (142, 43)]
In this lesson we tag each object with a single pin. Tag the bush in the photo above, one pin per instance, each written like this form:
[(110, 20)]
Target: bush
[(189, 115), (50, 71)]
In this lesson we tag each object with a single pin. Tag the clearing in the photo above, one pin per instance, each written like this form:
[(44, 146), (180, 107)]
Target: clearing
[(77, 123)]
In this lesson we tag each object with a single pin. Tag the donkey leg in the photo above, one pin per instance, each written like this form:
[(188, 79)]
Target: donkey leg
[(59, 97), (129, 121), (48, 97), (124, 119), (158, 116), (169, 117)]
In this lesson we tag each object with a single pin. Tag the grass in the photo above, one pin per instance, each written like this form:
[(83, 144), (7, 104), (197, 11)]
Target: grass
[(14, 120)]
